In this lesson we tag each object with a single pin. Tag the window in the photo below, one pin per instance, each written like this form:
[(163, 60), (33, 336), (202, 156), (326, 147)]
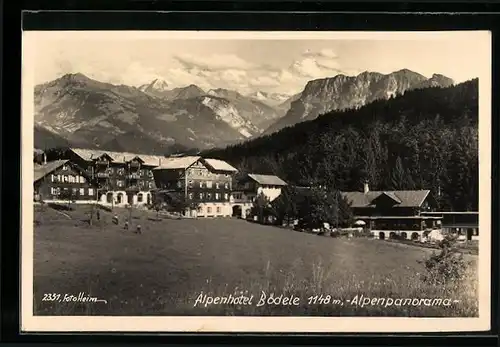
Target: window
[(52, 178), (190, 184), (82, 191), (218, 209), (74, 191), (209, 196), (71, 179), (226, 185), (226, 196), (55, 191), (141, 184), (201, 196), (150, 185), (209, 210), (119, 183), (217, 185), (179, 184), (217, 196), (121, 171), (82, 179), (209, 184), (202, 185), (191, 196), (139, 197), (65, 167), (91, 191)]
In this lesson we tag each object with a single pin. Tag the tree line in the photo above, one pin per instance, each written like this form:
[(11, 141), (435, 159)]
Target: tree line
[(312, 206), (423, 139)]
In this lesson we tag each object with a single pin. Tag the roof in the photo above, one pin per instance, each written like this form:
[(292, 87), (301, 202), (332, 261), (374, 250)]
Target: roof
[(220, 165), (267, 180), (41, 171), (407, 198), (151, 160), (169, 163), (118, 157)]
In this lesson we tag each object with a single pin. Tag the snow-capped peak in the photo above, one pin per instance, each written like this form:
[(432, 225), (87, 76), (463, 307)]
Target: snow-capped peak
[(157, 84), (270, 98)]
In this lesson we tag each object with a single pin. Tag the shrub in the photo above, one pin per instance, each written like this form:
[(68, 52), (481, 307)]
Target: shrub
[(447, 266), (335, 233)]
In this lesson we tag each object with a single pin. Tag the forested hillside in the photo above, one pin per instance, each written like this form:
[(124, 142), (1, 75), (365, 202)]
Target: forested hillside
[(424, 139)]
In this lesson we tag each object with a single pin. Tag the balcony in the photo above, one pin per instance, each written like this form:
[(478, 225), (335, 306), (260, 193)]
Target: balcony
[(102, 162), (102, 175)]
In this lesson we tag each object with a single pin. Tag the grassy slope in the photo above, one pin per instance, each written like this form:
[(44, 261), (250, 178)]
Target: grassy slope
[(163, 270)]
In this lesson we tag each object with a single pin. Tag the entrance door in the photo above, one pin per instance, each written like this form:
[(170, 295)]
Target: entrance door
[(237, 211)]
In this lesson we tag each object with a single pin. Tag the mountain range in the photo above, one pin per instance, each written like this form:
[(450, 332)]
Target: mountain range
[(154, 118), (346, 92)]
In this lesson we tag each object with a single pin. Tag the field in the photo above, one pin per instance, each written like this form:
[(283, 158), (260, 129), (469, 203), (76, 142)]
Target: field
[(163, 270)]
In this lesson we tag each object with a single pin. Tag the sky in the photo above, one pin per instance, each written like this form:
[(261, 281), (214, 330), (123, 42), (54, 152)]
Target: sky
[(247, 65)]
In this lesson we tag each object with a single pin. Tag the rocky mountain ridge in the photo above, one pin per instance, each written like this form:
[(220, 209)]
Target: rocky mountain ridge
[(343, 92)]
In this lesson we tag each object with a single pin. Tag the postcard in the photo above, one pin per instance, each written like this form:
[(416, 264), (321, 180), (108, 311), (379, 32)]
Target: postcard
[(232, 181)]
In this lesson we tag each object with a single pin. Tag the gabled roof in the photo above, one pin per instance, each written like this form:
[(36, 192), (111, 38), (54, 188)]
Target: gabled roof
[(118, 157), (267, 180), (121, 157), (171, 163), (40, 171), (87, 154), (390, 195), (151, 160), (407, 198), (220, 165)]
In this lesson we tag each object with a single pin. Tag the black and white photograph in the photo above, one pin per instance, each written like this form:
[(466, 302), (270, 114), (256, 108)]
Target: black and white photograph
[(217, 181)]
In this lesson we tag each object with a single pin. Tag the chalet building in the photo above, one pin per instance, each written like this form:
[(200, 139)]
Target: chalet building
[(122, 178), (206, 183), (60, 181), (249, 186), (464, 224), (391, 213)]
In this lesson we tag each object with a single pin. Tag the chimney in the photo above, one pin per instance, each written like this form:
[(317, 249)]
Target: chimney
[(366, 188)]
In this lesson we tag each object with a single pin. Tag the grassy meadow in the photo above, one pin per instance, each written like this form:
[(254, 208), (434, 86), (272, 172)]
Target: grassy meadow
[(163, 270)]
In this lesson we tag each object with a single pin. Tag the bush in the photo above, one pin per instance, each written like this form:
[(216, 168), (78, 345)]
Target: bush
[(335, 233), (447, 266)]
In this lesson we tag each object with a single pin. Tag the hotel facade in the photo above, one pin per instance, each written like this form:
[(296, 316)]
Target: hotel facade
[(206, 183)]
